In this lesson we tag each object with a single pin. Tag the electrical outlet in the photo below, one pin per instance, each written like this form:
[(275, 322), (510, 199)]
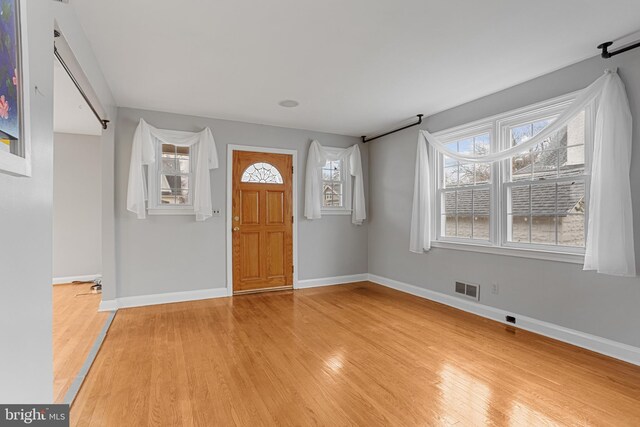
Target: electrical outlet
[(216, 213), (495, 288)]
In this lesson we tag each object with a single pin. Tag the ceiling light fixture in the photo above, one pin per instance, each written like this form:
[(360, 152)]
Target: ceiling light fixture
[(288, 103)]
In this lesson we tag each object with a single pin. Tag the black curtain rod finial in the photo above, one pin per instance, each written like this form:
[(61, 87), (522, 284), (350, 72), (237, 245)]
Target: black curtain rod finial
[(605, 49)]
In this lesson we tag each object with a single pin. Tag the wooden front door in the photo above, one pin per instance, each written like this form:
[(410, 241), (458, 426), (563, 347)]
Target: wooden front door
[(262, 221)]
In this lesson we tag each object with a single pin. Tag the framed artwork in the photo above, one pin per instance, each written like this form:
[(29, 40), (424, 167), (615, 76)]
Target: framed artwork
[(15, 143)]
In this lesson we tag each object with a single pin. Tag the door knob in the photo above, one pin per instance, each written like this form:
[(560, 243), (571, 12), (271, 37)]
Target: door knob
[(236, 228)]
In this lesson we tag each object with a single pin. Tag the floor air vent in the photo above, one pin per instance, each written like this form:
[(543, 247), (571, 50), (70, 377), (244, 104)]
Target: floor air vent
[(468, 290)]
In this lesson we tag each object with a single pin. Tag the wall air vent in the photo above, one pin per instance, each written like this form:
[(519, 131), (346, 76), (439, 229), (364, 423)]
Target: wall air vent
[(468, 290)]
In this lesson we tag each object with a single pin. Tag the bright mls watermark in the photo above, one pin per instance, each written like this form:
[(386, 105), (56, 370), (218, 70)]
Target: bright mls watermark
[(34, 415)]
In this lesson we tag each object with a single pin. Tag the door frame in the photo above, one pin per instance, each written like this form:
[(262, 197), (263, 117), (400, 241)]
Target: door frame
[(229, 214)]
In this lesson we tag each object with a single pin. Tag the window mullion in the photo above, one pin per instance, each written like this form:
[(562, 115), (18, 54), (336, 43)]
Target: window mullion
[(556, 219), (497, 213), (158, 181), (473, 215), (455, 193), (530, 212)]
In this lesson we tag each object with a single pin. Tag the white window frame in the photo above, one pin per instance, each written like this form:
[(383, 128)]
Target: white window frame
[(498, 128), (154, 175), (345, 179), (455, 135)]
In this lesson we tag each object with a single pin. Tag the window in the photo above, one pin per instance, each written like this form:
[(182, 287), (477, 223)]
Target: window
[(263, 173), (537, 200), (336, 194), (465, 191), (546, 186), (171, 182)]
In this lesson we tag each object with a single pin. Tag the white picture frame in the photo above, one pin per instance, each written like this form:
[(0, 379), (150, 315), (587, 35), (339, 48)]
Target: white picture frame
[(14, 164)]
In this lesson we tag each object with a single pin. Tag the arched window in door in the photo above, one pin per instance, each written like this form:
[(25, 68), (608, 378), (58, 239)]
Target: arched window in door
[(262, 173)]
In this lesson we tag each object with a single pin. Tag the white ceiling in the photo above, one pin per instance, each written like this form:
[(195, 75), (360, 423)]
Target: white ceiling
[(71, 114), (356, 66)]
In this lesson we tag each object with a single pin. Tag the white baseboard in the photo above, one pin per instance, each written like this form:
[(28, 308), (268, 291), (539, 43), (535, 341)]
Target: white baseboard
[(143, 300), (168, 298), (108, 305), (69, 279), (328, 281), (594, 343)]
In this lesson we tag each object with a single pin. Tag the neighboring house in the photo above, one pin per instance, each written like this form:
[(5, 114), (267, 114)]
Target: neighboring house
[(569, 211), (331, 197), (570, 225)]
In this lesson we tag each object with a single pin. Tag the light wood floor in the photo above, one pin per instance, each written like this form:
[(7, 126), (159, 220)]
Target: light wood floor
[(76, 324), (356, 354)]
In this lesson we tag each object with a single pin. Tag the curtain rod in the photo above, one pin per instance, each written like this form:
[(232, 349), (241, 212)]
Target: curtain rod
[(365, 139), (103, 122), (605, 49)]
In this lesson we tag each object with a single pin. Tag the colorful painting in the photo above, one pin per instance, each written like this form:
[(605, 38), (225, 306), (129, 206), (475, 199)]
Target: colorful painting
[(10, 67)]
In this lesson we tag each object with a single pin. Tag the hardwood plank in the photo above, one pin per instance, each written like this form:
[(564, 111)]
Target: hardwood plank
[(357, 354), (76, 325)]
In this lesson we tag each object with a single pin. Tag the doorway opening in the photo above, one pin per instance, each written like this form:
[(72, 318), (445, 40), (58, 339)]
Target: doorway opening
[(77, 226)]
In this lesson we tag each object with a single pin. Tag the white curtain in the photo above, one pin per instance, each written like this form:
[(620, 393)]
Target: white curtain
[(420, 238), (143, 153), (609, 246), (317, 158)]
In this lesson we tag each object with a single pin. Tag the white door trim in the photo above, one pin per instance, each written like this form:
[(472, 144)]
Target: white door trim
[(294, 153)]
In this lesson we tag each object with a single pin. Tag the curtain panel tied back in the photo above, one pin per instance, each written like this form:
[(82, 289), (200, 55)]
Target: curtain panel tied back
[(143, 153), (609, 245), (317, 158)]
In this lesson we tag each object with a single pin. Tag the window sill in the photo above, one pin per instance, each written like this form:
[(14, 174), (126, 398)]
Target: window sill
[(336, 212), (171, 212), (568, 257)]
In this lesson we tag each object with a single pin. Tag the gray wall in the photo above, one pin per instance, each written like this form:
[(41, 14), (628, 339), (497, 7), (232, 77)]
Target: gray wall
[(77, 205), (175, 253), (555, 292), (26, 373), (26, 368)]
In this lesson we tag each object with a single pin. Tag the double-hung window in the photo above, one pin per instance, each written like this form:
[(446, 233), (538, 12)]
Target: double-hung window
[(336, 188), (545, 188), (465, 189), (537, 200), (171, 180)]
